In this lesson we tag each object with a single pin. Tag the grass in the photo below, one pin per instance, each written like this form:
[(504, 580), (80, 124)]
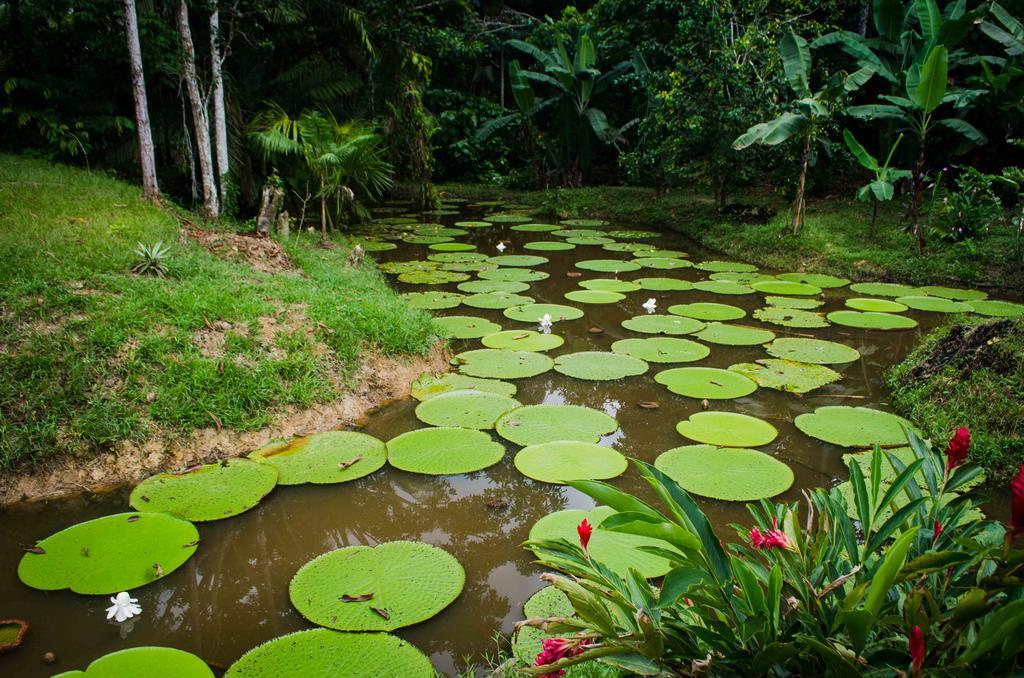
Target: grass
[(969, 373), (91, 354)]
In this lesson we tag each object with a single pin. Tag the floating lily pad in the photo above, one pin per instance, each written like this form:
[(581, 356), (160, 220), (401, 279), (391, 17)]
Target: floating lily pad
[(560, 461), (441, 451), (624, 246), (439, 229), (519, 260), (599, 365), (670, 254), (594, 297), (787, 375), (816, 279), (549, 246), (150, 661), (323, 652), (610, 285), (536, 228), (727, 429), (794, 302), (492, 363), (496, 300), (933, 304), (853, 426), (633, 234), (428, 386), (871, 321), (662, 263), (726, 473), (507, 219), (468, 267), (410, 581), (474, 224), (548, 602), (491, 286), (532, 313), (453, 247), (617, 551), (734, 335), (433, 300), (110, 554), (465, 409), (427, 239), (722, 287), (707, 311), (457, 257), (589, 223), (790, 317), (664, 284), (814, 351), (876, 289), (953, 293), (208, 492), (465, 326), (432, 277), (536, 424), (663, 324), (394, 221), (607, 265), (514, 274), (706, 382), (1000, 309), (329, 457), (589, 240), (523, 340), (375, 245), (662, 349), (797, 289), (741, 277), (720, 266), (875, 305), (396, 267), (578, 233)]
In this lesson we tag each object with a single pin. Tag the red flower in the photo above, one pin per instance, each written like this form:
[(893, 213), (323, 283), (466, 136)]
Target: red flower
[(936, 531), (1017, 490), (916, 651), (958, 448), (584, 530), (769, 539), (554, 649)]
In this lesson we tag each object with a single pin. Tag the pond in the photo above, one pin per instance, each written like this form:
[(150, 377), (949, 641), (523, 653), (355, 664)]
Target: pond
[(233, 593)]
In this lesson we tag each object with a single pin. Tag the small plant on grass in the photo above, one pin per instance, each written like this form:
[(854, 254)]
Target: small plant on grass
[(152, 259), (882, 188)]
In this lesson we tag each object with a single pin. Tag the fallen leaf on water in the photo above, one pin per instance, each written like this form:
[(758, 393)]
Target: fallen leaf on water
[(705, 404), (522, 335), (596, 330), (159, 570), (574, 274), (354, 460), (362, 597), (38, 550), (382, 612), (648, 404)]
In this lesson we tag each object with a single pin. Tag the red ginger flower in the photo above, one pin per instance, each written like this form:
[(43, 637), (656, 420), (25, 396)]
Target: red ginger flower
[(553, 649), (937, 531), (958, 448), (769, 539), (584, 530), (916, 643), (1017, 499)]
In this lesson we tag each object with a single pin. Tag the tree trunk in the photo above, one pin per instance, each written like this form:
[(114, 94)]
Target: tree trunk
[(269, 206), (915, 206), (220, 124), (147, 158), (798, 203), (283, 229), (323, 214), (874, 219), (199, 119)]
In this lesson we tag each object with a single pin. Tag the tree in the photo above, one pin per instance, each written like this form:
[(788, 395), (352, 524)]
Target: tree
[(147, 157), (807, 113), (882, 188), (200, 121), (220, 124)]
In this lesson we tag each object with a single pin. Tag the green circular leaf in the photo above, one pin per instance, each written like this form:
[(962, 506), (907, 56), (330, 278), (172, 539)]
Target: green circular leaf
[(208, 492), (816, 279), (532, 313), (726, 473), (727, 429), (151, 661), (433, 300), (871, 321), (491, 286), (522, 340), (506, 219), (664, 284), (790, 317), (662, 349), (465, 326), (428, 385), (513, 275), (328, 457), (647, 251), (999, 309), (110, 554), (734, 335), (599, 365), (536, 228), (875, 305), (458, 257), (439, 451), (548, 602), (662, 324), (427, 239), (465, 409), (815, 351), (624, 246), (706, 382), (610, 285), (722, 287), (953, 293), (549, 246), (535, 424), (453, 247), (934, 304), (578, 233), (786, 287), (662, 263), (853, 426), (395, 267), (707, 311), (607, 265), (633, 234), (594, 297), (434, 277), (474, 224), (375, 245), (496, 300), (794, 302), (492, 363), (438, 229), (741, 277), (589, 223), (722, 266), (589, 240), (787, 375), (876, 289), (560, 461), (519, 260)]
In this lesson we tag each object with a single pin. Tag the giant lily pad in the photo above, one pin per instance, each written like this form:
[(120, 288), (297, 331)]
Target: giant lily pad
[(110, 554), (208, 492), (624, 246), (787, 287), (877, 289), (589, 223), (721, 266), (465, 326), (548, 602), (662, 324), (727, 473), (872, 321), (722, 287), (149, 661), (395, 267), (933, 304), (610, 285), (439, 451), (790, 317), (549, 246), (439, 229), (433, 277), (664, 284), (816, 279), (453, 247), (491, 286), (458, 257), (577, 233), (514, 275), (662, 349), (742, 277), (607, 265), (875, 305), (375, 245), (522, 340), (329, 457), (323, 652), (707, 311), (507, 219), (468, 267), (648, 251), (518, 260), (794, 302), (433, 300), (409, 581), (532, 313), (428, 386), (536, 424), (618, 551), (953, 293), (473, 224), (662, 263), (564, 460), (496, 300), (633, 234), (492, 363), (427, 239), (727, 429), (465, 409), (999, 309), (853, 426), (594, 297), (787, 375), (815, 351), (599, 365), (536, 228), (734, 335), (706, 382), (589, 240)]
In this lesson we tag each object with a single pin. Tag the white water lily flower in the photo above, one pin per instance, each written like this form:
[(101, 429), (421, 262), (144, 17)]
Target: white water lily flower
[(545, 322), (501, 246), (124, 607), (650, 305)]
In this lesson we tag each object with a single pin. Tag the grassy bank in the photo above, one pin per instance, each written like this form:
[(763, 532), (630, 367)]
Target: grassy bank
[(92, 354), (835, 238), (969, 373)]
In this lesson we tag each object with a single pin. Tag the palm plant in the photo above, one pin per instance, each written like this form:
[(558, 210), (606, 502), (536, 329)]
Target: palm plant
[(882, 188), (341, 158)]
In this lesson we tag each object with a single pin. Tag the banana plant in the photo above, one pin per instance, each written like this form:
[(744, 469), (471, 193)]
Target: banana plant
[(806, 114), (882, 188)]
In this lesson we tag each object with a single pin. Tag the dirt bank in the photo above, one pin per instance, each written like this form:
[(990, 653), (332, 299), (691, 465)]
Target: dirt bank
[(379, 381)]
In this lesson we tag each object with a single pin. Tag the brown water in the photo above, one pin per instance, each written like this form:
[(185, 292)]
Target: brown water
[(233, 594)]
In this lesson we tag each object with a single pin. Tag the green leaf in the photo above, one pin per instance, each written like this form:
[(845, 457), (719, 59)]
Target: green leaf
[(882, 190), (633, 663), (885, 574), (932, 87), (888, 18), (678, 582), (929, 18), (965, 129), (859, 152), (878, 111), (796, 62), (773, 132), (999, 627)]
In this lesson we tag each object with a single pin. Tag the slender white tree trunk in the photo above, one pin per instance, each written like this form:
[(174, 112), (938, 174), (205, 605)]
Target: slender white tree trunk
[(220, 124), (199, 119), (147, 158)]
